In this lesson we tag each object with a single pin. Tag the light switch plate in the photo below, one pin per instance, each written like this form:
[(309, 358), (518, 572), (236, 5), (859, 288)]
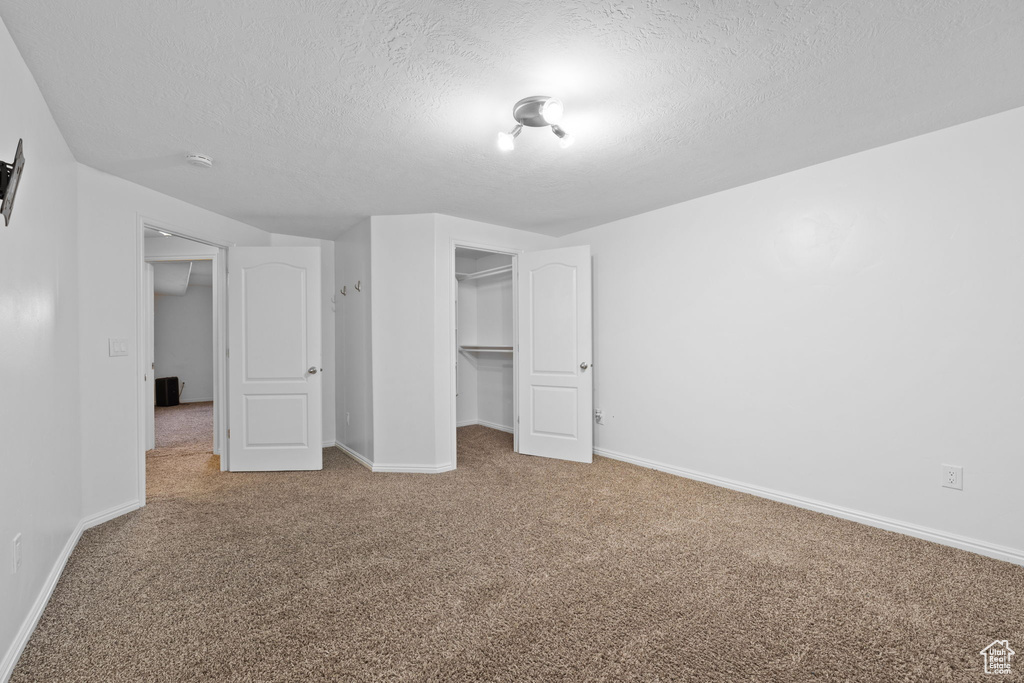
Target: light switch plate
[(16, 554), (118, 346)]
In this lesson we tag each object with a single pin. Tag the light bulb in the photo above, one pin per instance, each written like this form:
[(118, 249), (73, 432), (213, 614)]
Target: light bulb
[(506, 142), (566, 141), (552, 110)]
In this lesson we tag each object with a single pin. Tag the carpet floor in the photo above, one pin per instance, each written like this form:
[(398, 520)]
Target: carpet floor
[(188, 426), (510, 568)]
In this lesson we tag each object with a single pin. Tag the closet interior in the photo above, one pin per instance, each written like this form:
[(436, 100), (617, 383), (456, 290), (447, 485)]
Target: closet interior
[(484, 333)]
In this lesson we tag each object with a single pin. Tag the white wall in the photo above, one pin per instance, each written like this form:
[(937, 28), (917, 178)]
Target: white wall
[(109, 208), (495, 379), (836, 333), (184, 341), (353, 352), (466, 402), (40, 463), (402, 339)]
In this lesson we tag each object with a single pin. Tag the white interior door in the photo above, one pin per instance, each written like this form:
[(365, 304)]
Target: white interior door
[(274, 359), (555, 347), (150, 370)]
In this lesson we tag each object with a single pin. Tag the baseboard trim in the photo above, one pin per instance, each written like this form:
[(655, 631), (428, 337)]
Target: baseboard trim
[(973, 545), (413, 469), (355, 455), (328, 444), (109, 514), (195, 400), (484, 423), (28, 626), (495, 425), (376, 467)]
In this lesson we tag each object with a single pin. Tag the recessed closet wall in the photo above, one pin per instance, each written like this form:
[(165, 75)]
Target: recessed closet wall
[(484, 334)]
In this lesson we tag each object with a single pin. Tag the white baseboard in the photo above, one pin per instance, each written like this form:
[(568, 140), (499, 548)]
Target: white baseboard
[(328, 444), (195, 400), (413, 469), (377, 467), (973, 545), (484, 423), (107, 515), (39, 606), (355, 455)]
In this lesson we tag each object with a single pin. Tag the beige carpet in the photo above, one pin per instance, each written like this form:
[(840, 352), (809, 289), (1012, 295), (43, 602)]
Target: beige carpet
[(188, 426), (510, 569)]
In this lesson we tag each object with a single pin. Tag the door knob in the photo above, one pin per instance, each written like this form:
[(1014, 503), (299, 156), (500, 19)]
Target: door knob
[(312, 370), (583, 366)]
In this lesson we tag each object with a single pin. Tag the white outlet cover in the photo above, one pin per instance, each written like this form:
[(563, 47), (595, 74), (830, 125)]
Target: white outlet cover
[(953, 477)]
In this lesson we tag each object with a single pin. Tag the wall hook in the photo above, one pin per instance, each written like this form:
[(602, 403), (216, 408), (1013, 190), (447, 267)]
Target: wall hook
[(343, 292), (359, 286)]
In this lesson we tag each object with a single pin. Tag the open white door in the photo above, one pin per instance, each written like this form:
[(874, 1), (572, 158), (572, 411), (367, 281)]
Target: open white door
[(556, 385), (149, 374), (274, 394)]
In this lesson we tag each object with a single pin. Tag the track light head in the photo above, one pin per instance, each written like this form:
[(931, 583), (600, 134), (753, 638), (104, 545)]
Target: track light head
[(507, 141), (564, 139)]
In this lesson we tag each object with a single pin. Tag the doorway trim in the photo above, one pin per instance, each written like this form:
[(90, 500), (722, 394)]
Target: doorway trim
[(453, 342), (220, 335)]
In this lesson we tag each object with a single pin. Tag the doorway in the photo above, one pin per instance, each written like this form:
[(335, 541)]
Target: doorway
[(182, 378), (485, 340), (522, 346), (180, 343)]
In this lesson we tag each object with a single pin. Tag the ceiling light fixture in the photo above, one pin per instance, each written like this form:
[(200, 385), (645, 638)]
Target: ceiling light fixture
[(537, 111)]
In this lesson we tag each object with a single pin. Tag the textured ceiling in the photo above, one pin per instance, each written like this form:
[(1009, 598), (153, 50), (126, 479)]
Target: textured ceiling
[(321, 112)]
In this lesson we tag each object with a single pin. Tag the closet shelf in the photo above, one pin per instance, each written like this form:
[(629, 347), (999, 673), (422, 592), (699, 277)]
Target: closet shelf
[(487, 349), (483, 273)]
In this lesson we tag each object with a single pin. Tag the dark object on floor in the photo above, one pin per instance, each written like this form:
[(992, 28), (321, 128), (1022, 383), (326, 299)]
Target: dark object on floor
[(167, 391)]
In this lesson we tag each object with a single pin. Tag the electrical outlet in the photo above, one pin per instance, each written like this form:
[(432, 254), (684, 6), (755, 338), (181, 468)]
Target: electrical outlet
[(16, 554), (599, 416), (953, 477)]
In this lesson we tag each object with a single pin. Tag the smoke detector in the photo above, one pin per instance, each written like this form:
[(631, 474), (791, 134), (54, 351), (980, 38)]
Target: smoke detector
[(200, 160)]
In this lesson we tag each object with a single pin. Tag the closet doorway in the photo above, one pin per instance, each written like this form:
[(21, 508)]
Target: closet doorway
[(522, 347), (485, 340)]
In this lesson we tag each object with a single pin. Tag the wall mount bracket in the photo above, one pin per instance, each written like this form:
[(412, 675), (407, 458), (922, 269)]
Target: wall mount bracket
[(10, 175)]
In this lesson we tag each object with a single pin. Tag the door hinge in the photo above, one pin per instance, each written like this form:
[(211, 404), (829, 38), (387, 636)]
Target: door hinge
[(227, 353), (229, 433)]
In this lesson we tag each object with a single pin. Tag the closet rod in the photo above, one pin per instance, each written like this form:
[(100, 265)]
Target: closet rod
[(483, 273)]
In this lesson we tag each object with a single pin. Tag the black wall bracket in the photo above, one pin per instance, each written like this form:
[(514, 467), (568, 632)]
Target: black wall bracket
[(10, 174)]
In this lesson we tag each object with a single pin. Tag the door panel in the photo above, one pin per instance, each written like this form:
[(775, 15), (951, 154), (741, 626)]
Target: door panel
[(274, 358), (555, 353)]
